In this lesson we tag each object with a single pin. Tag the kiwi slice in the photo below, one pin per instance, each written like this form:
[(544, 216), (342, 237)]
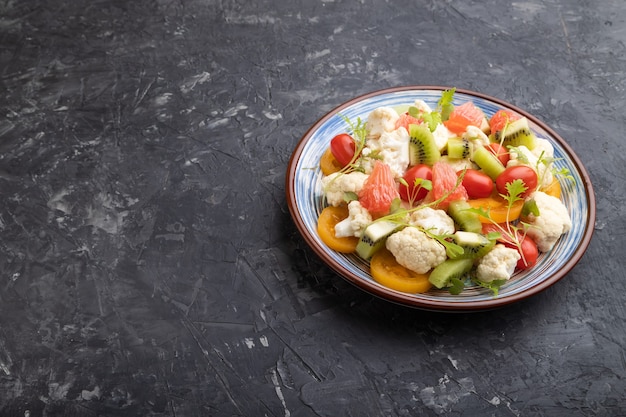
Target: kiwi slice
[(466, 220), (459, 148), (475, 245), (488, 162), (422, 146), (450, 268), (374, 237), (517, 133)]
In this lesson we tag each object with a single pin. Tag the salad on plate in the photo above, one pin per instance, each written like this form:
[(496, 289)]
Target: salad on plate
[(443, 197)]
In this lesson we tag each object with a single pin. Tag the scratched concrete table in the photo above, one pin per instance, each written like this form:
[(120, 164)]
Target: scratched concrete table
[(149, 264)]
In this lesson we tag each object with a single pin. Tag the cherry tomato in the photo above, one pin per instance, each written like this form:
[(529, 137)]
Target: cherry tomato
[(343, 148), (499, 151), (529, 253), (414, 193), (477, 183), (512, 173)]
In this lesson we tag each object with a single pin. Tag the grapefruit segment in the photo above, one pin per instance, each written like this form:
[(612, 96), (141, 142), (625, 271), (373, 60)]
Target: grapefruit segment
[(500, 119), (445, 182), (379, 190), (467, 114)]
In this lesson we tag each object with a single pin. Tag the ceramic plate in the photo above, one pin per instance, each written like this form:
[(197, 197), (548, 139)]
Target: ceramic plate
[(305, 200)]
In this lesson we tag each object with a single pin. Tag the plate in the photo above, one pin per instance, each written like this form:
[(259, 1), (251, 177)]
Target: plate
[(305, 201)]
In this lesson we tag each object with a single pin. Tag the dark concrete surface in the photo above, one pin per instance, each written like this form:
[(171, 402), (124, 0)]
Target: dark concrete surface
[(148, 262)]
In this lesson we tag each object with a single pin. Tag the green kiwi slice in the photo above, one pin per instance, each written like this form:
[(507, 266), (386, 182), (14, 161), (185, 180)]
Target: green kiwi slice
[(517, 133), (488, 162), (422, 146), (459, 148), (466, 220), (475, 245), (374, 237), (450, 268)]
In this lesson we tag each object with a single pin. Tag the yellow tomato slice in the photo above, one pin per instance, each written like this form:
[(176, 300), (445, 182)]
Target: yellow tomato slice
[(497, 207), (553, 189), (388, 272), (328, 163), (326, 222)]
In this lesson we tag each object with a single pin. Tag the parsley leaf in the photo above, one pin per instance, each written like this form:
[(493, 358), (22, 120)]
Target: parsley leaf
[(444, 105), (457, 286), (530, 207), (494, 285)]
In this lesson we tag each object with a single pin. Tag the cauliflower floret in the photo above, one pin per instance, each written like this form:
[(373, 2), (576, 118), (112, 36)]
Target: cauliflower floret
[(391, 148), (357, 220), (521, 155), (498, 264), (416, 251), (422, 106), (441, 135), (380, 120), (337, 184), (552, 222), (475, 135), (543, 149), (435, 221)]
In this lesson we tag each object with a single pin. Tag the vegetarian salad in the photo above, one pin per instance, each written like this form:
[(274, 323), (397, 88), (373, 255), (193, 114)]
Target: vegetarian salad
[(445, 197)]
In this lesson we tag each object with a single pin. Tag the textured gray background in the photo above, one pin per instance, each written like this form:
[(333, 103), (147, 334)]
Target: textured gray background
[(148, 263)]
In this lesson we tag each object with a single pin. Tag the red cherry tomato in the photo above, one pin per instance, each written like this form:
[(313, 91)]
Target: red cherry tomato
[(343, 148), (529, 253), (499, 151), (412, 192), (477, 183), (512, 173)]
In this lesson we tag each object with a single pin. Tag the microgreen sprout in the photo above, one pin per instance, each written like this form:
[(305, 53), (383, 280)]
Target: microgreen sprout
[(437, 116)]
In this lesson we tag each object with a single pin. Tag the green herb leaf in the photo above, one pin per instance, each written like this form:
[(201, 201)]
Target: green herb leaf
[(396, 205), (456, 286), (530, 207), (564, 173), (519, 154), (424, 183), (415, 112), (494, 285), (514, 190), (444, 105), (349, 196), (452, 249)]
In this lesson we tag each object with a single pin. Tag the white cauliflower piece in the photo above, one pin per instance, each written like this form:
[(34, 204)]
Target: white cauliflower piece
[(458, 164), (337, 184), (380, 120), (521, 155), (475, 135), (441, 135), (552, 222), (436, 221), (392, 148), (356, 222), (422, 106), (498, 264), (543, 148), (416, 251)]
